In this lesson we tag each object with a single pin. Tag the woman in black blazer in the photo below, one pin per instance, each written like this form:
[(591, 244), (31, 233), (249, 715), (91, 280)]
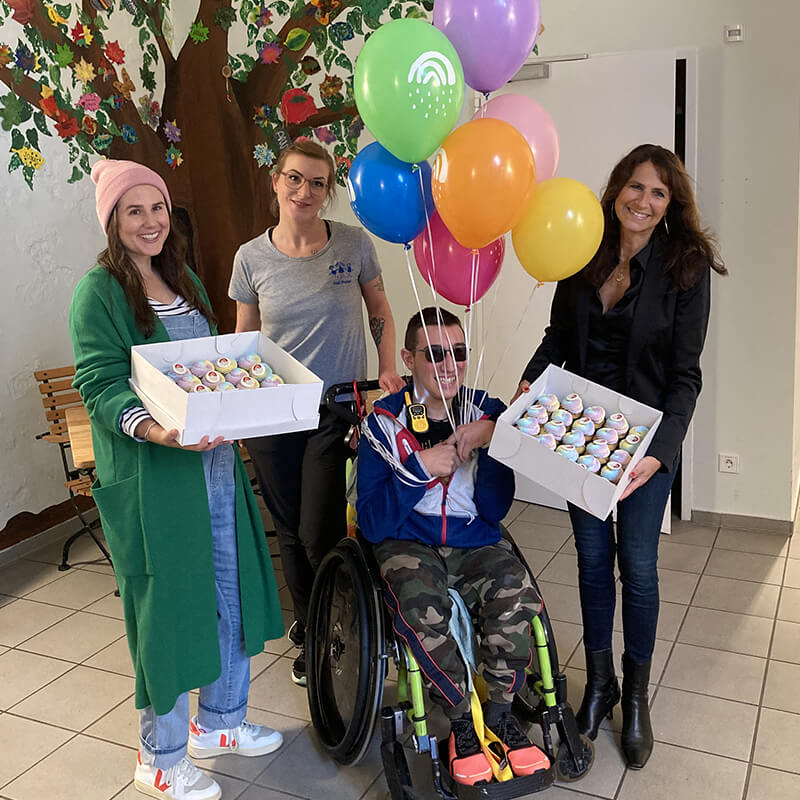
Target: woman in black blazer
[(634, 319)]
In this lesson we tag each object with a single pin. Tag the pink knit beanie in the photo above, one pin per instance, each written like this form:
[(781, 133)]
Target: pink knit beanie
[(114, 178)]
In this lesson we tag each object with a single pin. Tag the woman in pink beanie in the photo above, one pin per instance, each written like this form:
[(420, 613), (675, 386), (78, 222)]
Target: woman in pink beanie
[(185, 534)]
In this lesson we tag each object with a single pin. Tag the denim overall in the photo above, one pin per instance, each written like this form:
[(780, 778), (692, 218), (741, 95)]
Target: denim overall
[(223, 703)]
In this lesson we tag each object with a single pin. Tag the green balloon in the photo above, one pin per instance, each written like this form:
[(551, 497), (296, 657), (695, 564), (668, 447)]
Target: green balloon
[(409, 87)]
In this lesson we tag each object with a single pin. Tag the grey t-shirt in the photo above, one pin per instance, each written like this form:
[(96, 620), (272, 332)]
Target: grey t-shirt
[(311, 307)]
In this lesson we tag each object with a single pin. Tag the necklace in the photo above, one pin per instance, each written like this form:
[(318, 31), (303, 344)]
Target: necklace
[(619, 275)]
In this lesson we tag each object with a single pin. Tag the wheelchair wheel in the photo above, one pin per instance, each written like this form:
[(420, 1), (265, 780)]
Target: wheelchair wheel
[(345, 653)]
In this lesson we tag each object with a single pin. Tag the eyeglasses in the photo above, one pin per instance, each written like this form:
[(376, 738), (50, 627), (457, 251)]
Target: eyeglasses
[(294, 180), (435, 353)]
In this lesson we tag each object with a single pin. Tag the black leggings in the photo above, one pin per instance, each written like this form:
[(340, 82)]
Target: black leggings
[(302, 480)]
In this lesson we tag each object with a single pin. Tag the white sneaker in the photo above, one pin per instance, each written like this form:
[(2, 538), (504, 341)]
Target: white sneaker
[(245, 739), (182, 781)]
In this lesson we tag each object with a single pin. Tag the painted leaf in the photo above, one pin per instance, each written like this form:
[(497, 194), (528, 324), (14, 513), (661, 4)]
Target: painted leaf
[(327, 57), (415, 13), (15, 111), (76, 175), (340, 32), (319, 36), (17, 139), (310, 65), (15, 162), (41, 123), (148, 79), (64, 11), (395, 12), (344, 62), (144, 35), (354, 17), (296, 39), (298, 9), (33, 138), (28, 174)]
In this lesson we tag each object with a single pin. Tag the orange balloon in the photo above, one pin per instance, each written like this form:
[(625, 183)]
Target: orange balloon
[(483, 178)]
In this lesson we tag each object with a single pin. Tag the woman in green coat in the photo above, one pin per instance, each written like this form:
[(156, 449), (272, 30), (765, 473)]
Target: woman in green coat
[(186, 538)]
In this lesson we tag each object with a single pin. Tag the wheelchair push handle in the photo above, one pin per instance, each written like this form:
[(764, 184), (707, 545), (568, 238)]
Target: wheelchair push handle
[(340, 399)]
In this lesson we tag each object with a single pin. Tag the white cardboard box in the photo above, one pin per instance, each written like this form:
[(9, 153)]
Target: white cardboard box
[(293, 406), (587, 490)]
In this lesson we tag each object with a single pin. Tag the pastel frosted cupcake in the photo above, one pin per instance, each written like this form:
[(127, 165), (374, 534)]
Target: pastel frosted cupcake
[(611, 471), (576, 439), (596, 414), (187, 381), (618, 423), (585, 426), (178, 371), (548, 440), (259, 371), (599, 449), (549, 401), (213, 378), (235, 375), (568, 451), (589, 462), (574, 404), (248, 383), (199, 387), (639, 430), (273, 380), (224, 365), (562, 415), (631, 443), (225, 386), (200, 368), (247, 362), (621, 456), (527, 426), (607, 435), (538, 413), (555, 429)]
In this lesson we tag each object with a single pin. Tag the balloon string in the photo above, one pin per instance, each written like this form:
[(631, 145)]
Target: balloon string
[(473, 290), (450, 417), (512, 338)]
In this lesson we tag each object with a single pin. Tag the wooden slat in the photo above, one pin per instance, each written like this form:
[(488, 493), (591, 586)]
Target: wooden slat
[(56, 414), (51, 387), (50, 374), (60, 429), (82, 486), (56, 438), (61, 400)]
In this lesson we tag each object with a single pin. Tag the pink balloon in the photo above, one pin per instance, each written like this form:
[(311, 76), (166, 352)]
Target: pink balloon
[(452, 274), (534, 123)]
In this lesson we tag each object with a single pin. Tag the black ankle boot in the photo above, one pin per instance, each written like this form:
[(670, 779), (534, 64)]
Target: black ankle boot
[(637, 733), (601, 693)]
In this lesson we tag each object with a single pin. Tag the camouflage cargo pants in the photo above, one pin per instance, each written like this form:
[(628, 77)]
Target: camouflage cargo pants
[(496, 589)]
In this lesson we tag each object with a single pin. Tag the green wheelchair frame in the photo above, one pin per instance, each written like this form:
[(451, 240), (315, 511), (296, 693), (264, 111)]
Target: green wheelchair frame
[(349, 642)]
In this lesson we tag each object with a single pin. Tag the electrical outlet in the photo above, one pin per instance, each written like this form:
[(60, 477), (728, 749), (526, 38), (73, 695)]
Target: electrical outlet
[(728, 463)]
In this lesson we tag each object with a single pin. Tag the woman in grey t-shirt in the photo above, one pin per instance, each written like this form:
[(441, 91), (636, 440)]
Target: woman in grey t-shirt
[(302, 284)]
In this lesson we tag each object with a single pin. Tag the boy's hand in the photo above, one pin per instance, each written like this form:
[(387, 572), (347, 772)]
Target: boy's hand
[(442, 460), (471, 436)]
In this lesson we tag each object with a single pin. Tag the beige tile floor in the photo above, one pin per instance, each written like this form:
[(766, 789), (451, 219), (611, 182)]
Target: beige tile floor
[(726, 669)]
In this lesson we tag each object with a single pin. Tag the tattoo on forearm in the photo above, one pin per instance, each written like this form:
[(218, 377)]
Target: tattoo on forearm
[(376, 326), (379, 283)]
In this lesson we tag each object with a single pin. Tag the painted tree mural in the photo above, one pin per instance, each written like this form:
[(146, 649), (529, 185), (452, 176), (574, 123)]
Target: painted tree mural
[(107, 77)]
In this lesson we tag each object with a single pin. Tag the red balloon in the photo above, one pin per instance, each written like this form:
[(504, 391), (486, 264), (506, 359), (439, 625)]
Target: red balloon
[(452, 274)]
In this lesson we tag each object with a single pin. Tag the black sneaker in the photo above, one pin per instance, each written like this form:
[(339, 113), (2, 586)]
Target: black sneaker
[(468, 764), (299, 668), (297, 633)]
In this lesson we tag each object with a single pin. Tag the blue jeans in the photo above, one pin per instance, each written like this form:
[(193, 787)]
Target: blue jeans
[(223, 704), (635, 549)]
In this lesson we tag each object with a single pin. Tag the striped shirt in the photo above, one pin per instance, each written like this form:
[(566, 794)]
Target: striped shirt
[(131, 417)]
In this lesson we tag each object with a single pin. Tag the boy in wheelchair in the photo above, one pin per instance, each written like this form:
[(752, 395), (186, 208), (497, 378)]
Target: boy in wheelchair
[(430, 500)]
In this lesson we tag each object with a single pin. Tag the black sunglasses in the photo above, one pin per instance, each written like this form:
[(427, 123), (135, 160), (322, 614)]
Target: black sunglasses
[(435, 353)]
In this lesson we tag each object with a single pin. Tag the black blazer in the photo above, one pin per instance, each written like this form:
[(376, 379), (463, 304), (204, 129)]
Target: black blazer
[(663, 360)]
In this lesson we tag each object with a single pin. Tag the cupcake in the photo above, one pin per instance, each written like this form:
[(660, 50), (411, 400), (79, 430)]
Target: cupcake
[(527, 426), (248, 383), (199, 387), (621, 457), (235, 375), (538, 413), (618, 423), (589, 462), (259, 371), (611, 471), (568, 451), (576, 439), (224, 365), (630, 443), (273, 380), (247, 362), (555, 429), (599, 449), (225, 386), (585, 426), (639, 430), (200, 368), (213, 378), (562, 415), (573, 404), (178, 371), (187, 381), (549, 401), (607, 435), (548, 440), (596, 414)]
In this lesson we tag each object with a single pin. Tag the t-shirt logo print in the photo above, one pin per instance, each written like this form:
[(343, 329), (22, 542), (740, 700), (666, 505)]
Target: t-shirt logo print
[(341, 273)]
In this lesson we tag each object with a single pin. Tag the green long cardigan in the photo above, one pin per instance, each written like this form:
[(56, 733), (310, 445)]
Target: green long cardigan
[(154, 509)]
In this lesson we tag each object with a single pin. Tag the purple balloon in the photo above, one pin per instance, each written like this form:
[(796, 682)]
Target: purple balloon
[(492, 37)]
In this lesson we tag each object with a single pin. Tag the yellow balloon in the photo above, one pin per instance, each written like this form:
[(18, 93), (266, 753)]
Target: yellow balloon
[(560, 230)]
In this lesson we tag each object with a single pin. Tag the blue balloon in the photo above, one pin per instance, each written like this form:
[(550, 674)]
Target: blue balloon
[(386, 194)]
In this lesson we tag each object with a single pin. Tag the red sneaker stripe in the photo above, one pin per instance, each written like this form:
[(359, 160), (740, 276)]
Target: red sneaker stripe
[(223, 740), (162, 787)]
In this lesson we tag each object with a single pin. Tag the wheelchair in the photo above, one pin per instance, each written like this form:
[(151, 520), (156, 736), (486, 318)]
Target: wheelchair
[(349, 644)]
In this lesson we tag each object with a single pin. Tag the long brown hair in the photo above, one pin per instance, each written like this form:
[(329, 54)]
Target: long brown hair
[(304, 147), (170, 264), (689, 248)]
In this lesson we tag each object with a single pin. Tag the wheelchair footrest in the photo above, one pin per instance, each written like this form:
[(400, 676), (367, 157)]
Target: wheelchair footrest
[(516, 787)]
